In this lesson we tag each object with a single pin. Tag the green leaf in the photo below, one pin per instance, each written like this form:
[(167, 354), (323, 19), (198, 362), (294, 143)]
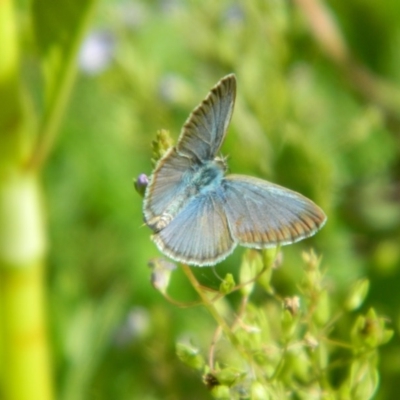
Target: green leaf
[(228, 376), (322, 310), (357, 294), (370, 330), (251, 265), (59, 27), (190, 356), (227, 284), (11, 109), (221, 392)]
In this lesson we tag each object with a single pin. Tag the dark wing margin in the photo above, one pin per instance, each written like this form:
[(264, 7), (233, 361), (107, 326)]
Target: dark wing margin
[(262, 214), (204, 131)]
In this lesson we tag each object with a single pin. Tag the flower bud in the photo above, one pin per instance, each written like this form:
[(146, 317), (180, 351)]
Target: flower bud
[(141, 183)]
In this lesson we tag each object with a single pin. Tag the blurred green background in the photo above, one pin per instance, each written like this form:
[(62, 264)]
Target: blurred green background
[(317, 110)]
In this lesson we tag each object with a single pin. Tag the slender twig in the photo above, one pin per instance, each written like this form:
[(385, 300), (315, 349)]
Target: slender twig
[(223, 326), (179, 303), (212, 310), (240, 313), (214, 341)]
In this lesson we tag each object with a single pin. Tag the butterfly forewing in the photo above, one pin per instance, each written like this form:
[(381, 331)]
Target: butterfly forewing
[(261, 214), (199, 141), (165, 184), (205, 129), (199, 234)]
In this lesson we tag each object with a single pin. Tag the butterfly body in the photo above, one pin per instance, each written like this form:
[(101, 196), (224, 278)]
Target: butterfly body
[(196, 181), (198, 214)]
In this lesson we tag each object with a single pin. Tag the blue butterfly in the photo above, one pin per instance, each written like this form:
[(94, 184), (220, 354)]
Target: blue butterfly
[(198, 214)]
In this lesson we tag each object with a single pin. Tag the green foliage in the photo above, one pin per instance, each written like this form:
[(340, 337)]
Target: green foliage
[(190, 356), (57, 39), (292, 344), (25, 371), (227, 284), (303, 118), (160, 145)]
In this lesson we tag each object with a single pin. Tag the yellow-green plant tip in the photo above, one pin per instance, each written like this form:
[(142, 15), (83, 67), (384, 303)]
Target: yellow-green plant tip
[(364, 379), (289, 324), (258, 391), (269, 255), (251, 265), (311, 259), (387, 336), (357, 337), (371, 313), (265, 280), (228, 376), (160, 145), (322, 310), (370, 331), (227, 284), (221, 392), (300, 364), (357, 294), (190, 356), (271, 259)]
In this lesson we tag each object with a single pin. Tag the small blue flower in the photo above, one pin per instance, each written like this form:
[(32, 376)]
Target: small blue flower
[(96, 52)]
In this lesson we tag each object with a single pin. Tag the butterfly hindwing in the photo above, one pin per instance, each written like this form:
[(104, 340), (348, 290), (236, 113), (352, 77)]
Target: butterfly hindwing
[(199, 234), (261, 214)]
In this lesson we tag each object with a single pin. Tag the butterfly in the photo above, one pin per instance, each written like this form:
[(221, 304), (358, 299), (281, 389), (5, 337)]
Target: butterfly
[(199, 214)]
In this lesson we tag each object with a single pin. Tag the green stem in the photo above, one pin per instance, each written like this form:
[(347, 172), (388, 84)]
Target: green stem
[(26, 372), (213, 311), (10, 99)]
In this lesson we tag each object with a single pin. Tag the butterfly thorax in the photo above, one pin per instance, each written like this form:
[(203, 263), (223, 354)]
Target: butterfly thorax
[(205, 177)]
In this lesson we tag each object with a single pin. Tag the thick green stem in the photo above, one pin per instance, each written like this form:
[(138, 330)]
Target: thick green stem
[(25, 357), (24, 361), (25, 369)]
